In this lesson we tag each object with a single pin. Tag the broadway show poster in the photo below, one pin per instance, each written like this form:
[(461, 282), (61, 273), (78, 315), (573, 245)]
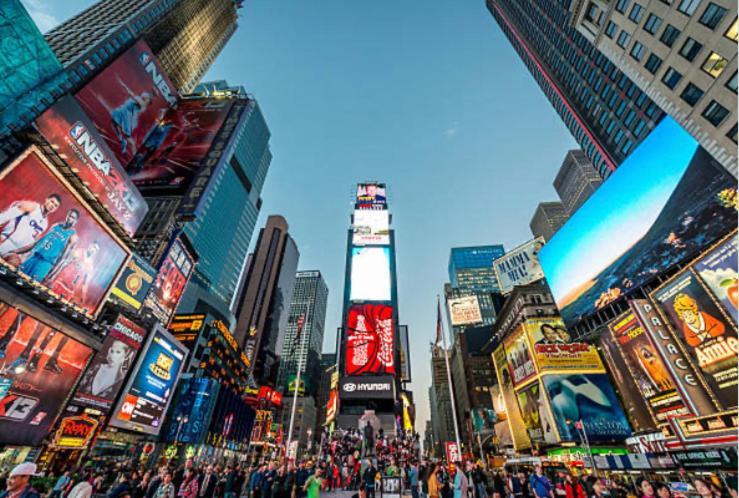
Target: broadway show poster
[(370, 340), (532, 404), (127, 99), (73, 135), (708, 337), (553, 349), (134, 283), (104, 376), (589, 398), (52, 237), (174, 146), (718, 269), (516, 425), (169, 285), (41, 366), (151, 386), (518, 355)]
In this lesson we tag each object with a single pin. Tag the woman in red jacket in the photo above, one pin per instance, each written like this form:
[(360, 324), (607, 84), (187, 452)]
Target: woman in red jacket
[(573, 488)]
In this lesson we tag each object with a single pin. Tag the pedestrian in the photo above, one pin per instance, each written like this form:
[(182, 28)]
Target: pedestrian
[(189, 486), (703, 488), (460, 481), (61, 483), (82, 489), (413, 480), (368, 478), (18, 484), (165, 489), (255, 482), (121, 487), (540, 485), (645, 488), (573, 488), (433, 484), (313, 484), (663, 491)]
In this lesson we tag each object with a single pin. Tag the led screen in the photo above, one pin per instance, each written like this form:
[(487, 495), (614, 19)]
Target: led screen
[(665, 203), (371, 227), (370, 340), (370, 277), (169, 285), (371, 196), (134, 283)]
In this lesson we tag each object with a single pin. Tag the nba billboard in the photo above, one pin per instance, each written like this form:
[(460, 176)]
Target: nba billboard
[(50, 235)]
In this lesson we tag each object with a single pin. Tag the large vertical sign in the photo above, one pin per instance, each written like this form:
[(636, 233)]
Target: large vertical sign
[(718, 270), (518, 356), (370, 274), (533, 405), (174, 272), (514, 418), (133, 283), (370, 340), (519, 266)]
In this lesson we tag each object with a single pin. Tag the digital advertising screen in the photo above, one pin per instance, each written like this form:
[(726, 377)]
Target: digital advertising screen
[(73, 135), (51, 236), (586, 398), (663, 205), (706, 334), (174, 272), (371, 227), (41, 367), (196, 399), (518, 355), (151, 386), (535, 414), (105, 374), (371, 196), (127, 99), (718, 270), (173, 148), (370, 340), (519, 266), (555, 351), (134, 283), (370, 277), (465, 310), (514, 419)]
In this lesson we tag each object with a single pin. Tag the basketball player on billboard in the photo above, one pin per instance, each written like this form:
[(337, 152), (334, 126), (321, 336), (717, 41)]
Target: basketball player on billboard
[(53, 250), (22, 223), (125, 118), (71, 280)]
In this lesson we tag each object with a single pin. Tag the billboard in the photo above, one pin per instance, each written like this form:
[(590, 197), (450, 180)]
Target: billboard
[(51, 236), (704, 332), (174, 272), (127, 99), (371, 227), (332, 407), (373, 387), (464, 310), (519, 266), (405, 354), (536, 418), (187, 328), (371, 196), (664, 204), (196, 399), (71, 133), (134, 283), (151, 386), (104, 376), (41, 366), (718, 270), (553, 349), (518, 356), (516, 425), (370, 277), (588, 398), (370, 339), (175, 145)]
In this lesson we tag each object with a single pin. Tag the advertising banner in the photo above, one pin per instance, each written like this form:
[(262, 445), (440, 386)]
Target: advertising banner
[(232, 420), (718, 270), (679, 202), (368, 387), (187, 328), (370, 340), (405, 354), (371, 196), (464, 310), (370, 277), (42, 367), (133, 284), (519, 266), (332, 408), (371, 227), (75, 432), (151, 386), (52, 237), (127, 99), (518, 356), (71, 133), (453, 453), (553, 349), (704, 332), (196, 399), (645, 366), (536, 418), (174, 272), (589, 399), (513, 416), (104, 376)]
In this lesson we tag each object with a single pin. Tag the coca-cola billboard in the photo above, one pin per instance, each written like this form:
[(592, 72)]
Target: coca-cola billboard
[(370, 340)]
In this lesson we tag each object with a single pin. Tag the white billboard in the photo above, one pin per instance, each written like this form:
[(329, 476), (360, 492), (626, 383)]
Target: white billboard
[(370, 278), (519, 266), (465, 310), (371, 227)]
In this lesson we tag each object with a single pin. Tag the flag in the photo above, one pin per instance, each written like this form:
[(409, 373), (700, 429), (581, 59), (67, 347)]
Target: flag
[(438, 322), (300, 322)]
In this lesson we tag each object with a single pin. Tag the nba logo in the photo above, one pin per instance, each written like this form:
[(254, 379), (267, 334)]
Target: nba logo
[(77, 130), (144, 58)]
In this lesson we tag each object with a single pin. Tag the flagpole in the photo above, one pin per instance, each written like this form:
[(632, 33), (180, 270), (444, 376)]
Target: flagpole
[(296, 390), (449, 376)]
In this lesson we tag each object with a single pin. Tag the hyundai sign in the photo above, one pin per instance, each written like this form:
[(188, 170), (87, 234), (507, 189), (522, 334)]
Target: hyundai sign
[(374, 387)]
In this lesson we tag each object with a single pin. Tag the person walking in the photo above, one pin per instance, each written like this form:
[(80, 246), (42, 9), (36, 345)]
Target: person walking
[(18, 484), (413, 480), (368, 479), (434, 486), (573, 488), (165, 489), (189, 486), (313, 484), (540, 485)]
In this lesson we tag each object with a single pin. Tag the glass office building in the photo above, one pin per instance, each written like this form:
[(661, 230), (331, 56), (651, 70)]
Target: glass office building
[(471, 268)]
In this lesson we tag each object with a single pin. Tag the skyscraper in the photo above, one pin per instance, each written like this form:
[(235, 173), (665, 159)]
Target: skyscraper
[(548, 218), (263, 302), (604, 110), (442, 420), (576, 180)]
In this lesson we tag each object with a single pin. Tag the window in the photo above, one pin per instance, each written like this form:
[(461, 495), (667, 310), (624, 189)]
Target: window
[(611, 29), (653, 63), (653, 23), (712, 16), (669, 35), (731, 84), (733, 32), (715, 113), (690, 49), (622, 5), (691, 94), (636, 14), (732, 133), (688, 7), (594, 14), (638, 51), (714, 64), (671, 78), (623, 39)]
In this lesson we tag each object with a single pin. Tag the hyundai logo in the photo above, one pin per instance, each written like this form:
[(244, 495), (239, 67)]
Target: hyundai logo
[(350, 387)]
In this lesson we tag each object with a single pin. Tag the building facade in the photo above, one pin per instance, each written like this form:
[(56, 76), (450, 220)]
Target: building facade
[(304, 422), (576, 180), (442, 419), (682, 54), (548, 218)]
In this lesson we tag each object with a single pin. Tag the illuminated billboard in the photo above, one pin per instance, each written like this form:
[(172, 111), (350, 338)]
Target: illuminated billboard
[(519, 266), (718, 270), (465, 310), (371, 196), (518, 356), (553, 349), (536, 418), (370, 340), (174, 272), (127, 100), (134, 283), (42, 366), (71, 133), (51, 236), (172, 150), (151, 386), (665, 203), (370, 277), (514, 419), (371, 227)]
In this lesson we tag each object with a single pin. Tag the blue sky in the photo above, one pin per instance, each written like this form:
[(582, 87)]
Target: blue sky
[(427, 96)]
